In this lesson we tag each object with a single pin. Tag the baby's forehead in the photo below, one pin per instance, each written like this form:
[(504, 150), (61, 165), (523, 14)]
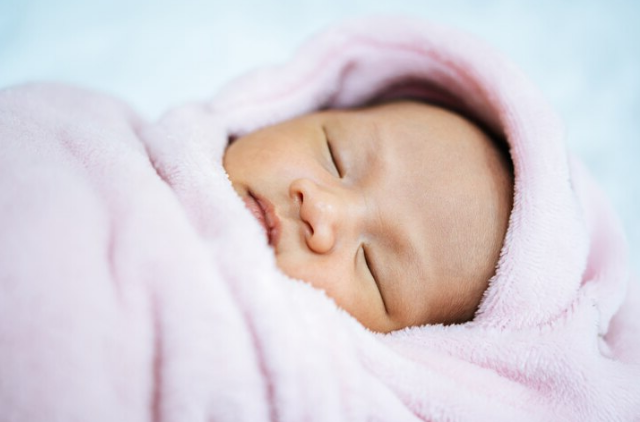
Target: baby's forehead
[(381, 108), (429, 122), (400, 111)]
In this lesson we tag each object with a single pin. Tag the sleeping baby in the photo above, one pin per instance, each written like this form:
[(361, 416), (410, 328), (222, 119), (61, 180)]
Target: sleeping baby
[(459, 263), (396, 210)]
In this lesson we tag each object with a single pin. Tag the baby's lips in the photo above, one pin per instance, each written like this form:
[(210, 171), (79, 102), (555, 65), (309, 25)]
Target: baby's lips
[(255, 209), (271, 220)]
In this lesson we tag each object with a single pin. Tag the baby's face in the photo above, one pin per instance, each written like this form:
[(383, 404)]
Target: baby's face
[(397, 212)]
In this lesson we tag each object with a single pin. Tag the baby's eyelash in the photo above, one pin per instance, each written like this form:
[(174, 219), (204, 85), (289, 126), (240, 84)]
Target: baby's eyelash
[(334, 161), (367, 263)]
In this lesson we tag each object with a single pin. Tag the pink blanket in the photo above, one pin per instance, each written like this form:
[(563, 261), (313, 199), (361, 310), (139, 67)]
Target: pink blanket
[(135, 286)]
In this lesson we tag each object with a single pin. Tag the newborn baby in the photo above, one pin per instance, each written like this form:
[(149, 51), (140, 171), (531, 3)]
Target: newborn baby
[(134, 286), (397, 211)]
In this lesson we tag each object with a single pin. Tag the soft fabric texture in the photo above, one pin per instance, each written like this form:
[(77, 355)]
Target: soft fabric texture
[(135, 286)]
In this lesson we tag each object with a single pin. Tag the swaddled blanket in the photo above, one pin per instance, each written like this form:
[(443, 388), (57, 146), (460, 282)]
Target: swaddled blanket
[(135, 286)]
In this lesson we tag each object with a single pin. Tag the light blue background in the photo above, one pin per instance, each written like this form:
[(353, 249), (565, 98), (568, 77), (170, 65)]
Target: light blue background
[(585, 56)]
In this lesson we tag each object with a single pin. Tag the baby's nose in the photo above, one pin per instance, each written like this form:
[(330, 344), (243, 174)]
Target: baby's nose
[(321, 210)]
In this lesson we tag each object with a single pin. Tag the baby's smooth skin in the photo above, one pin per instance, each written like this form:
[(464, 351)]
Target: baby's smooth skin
[(397, 211)]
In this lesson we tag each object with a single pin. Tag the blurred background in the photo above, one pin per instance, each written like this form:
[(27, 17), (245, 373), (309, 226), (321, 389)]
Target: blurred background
[(584, 55)]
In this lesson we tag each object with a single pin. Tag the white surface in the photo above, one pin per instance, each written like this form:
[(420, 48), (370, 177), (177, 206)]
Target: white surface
[(155, 54)]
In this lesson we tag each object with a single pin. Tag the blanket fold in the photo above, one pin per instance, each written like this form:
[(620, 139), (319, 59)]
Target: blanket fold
[(134, 285)]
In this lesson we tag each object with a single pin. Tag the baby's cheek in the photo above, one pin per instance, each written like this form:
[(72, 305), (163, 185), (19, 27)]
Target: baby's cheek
[(358, 300), (320, 275), (296, 266)]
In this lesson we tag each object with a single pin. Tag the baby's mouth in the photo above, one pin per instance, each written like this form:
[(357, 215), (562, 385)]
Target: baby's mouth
[(264, 212)]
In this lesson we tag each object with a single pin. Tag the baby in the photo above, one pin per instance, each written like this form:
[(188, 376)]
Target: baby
[(129, 291), (397, 210)]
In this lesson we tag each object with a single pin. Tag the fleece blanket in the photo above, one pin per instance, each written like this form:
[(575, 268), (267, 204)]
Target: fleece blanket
[(135, 286)]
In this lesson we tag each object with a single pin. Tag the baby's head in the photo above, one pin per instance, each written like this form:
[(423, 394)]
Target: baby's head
[(397, 211)]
